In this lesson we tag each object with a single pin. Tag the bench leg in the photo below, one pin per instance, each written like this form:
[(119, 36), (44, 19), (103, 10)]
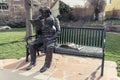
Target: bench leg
[(27, 53), (102, 66)]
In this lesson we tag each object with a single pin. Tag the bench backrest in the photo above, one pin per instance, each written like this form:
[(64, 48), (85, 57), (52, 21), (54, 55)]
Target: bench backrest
[(83, 36)]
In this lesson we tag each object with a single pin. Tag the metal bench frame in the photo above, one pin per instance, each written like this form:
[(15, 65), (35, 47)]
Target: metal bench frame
[(92, 39)]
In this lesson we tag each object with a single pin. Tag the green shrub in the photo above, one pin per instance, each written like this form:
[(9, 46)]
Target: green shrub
[(16, 24)]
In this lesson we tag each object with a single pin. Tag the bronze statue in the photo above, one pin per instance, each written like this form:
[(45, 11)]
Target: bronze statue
[(47, 30)]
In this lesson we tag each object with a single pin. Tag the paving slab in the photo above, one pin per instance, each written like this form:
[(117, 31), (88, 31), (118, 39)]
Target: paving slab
[(65, 67), (6, 74)]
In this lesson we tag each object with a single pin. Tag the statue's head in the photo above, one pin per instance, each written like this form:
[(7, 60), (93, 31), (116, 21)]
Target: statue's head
[(45, 11)]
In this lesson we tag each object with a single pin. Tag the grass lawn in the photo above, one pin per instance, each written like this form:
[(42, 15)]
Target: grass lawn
[(12, 46), (113, 48)]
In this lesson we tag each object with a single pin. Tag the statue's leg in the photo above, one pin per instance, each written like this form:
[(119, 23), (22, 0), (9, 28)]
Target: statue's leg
[(32, 55), (48, 59), (33, 47)]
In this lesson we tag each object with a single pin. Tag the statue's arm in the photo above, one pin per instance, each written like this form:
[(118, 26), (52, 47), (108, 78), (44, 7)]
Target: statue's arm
[(58, 30)]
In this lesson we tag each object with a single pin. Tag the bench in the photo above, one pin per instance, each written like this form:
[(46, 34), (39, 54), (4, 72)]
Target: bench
[(88, 42)]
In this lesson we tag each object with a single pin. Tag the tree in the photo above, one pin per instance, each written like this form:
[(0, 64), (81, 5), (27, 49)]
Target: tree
[(28, 8), (65, 12), (98, 6)]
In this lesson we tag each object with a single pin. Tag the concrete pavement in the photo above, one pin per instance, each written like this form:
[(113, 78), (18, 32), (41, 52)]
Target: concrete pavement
[(6, 74), (64, 67)]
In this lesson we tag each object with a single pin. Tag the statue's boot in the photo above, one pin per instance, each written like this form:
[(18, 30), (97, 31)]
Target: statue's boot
[(30, 66), (48, 61)]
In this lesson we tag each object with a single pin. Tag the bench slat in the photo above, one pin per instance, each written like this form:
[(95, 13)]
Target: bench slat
[(82, 36)]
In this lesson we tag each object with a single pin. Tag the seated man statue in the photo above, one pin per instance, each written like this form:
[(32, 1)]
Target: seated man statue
[(47, 31)]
